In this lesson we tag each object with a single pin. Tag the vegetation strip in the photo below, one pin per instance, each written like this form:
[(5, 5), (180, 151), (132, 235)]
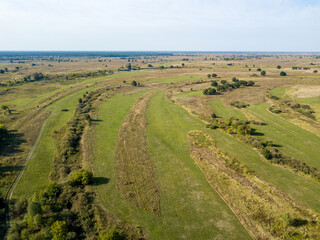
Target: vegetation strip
[(262, 208), (136, 176)]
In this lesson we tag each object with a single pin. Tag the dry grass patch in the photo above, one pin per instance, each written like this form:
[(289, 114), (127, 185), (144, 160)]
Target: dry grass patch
[(136, 175), (263, 209)]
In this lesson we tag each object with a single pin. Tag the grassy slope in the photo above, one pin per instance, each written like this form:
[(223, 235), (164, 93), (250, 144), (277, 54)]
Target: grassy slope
[(190, 207), (297, 186), (38, 168), (295, 141), (226, 112)]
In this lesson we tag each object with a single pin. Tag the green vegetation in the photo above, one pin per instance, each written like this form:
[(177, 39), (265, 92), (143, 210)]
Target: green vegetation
[(146, 153)]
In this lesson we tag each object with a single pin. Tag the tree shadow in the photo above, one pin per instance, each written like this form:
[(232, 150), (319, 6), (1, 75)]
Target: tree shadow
[(297, 222), (4, 169), (96, 181), (10, 143), (96, 120), (255, 133)]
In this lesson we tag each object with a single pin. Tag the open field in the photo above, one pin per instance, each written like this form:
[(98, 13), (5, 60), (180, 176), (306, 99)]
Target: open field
[(141, 154)]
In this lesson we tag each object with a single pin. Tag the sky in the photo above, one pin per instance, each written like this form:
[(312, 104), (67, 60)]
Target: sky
[(160, 25)]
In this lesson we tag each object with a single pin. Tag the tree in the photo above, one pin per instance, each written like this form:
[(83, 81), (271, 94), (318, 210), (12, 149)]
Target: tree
[(287, 220), (263, 73), (278, 67), (214, 83), (214, 75), (1, 71), (182, 64), (283, 74), (129, 67), (223, 82), (259, 69), (209, 75), (250, 83), (161, 67), (234, 79), (266, 153), (82, 177), (6, 69), (59, 230), (134, 83), (315, 71), (112, 234), (34, 208), (209, 91)]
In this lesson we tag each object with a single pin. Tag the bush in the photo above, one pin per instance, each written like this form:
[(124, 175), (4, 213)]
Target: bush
[(266, 153), (134, 83), (214, 83), (209, 91), (263, 73), (238, 104), (283, 74), (82, 177)]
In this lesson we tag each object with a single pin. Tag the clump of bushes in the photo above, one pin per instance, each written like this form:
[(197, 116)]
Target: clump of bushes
[(304, 109), (225, 86), (232, 126), (209, 91), (238, 104)]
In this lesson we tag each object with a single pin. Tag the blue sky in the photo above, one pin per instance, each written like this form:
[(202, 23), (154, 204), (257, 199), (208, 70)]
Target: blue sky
[(164, 25)]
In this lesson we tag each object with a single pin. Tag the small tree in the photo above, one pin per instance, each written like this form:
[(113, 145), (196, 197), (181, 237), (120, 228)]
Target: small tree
[(214, 75), (59, 230), (82, 177), (1, 71), (250, 83), (182, 65), (263, 73), (134, 83), (278, 67), (214, 83), (129, 67), (259, 69), (283, 74), (209, 75)]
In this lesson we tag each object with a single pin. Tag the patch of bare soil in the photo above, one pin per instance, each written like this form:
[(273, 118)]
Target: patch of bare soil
[(136, 176)]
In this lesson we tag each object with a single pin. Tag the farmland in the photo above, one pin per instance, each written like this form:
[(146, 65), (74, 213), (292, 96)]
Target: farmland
[(199, 146)]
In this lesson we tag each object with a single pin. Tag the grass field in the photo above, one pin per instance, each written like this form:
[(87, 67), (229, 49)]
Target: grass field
[(226, 112), (294, 141), (188, 203), (35, 176), (150, 178)]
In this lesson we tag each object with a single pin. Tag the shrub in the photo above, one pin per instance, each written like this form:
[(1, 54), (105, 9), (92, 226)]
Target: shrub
[(266, 153), (263, 73), (238, 104), (283, 73), (134, 83), (214, 83), (82, 177), (278, 67), (209, 91), (287, 220)]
